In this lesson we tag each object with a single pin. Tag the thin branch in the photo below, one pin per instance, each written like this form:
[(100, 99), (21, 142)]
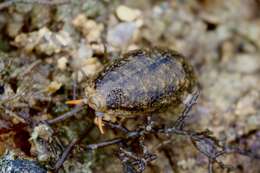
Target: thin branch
[(65, 155), (104, 144), (66, 115)]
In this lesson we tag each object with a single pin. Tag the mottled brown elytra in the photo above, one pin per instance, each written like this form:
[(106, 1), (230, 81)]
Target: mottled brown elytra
[(138, 83)]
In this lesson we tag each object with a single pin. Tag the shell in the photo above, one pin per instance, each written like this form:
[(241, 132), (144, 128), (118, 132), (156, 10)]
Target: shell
[(142, 81)]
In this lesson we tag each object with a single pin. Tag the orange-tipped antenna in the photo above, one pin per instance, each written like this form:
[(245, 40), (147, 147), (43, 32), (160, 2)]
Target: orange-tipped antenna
[(99, 123), (74, 102)]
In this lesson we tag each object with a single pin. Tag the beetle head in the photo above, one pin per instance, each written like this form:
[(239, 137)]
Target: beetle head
[(95, 100)]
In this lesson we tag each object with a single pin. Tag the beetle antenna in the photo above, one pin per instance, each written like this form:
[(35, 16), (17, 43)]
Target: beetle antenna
[(77, 101)]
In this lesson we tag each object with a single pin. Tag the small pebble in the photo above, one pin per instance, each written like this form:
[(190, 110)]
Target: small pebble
[(79, 20), (62, 63), (84, 51), (43, 41), (90, 28), (81, 55), (127, 14), (40, 17), (98, 48), (53, 87), (122, 34), (91, 68), (15, 24)]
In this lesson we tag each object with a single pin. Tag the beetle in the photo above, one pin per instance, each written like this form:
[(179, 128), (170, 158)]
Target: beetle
[(140, 82), (143, 82)]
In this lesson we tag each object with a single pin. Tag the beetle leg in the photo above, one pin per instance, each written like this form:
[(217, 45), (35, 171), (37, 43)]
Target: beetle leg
[(99, 122), (210, 166), (188, 106)]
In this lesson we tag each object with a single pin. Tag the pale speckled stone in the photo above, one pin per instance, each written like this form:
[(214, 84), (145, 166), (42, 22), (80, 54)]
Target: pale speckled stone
[(81, 56), (91, 68), (121, 35), (62, 63), (127, 14)]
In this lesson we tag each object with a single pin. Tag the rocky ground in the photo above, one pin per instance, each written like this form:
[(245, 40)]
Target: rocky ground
[(47, 49)]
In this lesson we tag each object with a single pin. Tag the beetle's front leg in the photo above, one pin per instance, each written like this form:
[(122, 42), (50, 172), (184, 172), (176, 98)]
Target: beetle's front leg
[(179, 123), (99, 120)]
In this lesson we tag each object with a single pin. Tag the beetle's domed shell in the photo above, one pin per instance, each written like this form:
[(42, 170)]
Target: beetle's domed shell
[(144, 81)]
